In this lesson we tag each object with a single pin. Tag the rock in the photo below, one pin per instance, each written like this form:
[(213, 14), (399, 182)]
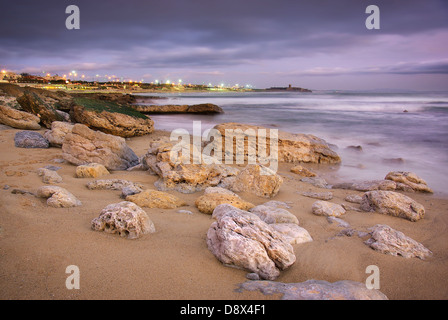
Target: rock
[(258, 180), (129, 191), (205, 108), (354, 148), (84, 146), (35, 104), (91, 170), (409, 179), (49, 176), (316, 181), (367, 185), (292, 148), (125, 218), (393, 204), (156, 199), (304, 172), (209, 201), (277, 204), (58, 132), (340, 222), (239, 238), (325, 208), (176, 174), (274, 215), (292, 232), (390, 241), (316, 290), (318, 195), (18, 119), (30, 139), (218, 190), (114, 184), (114, 123), (58, 197), (353, 198), (184, 211)]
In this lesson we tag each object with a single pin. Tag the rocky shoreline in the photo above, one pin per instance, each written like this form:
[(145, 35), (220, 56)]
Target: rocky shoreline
[(257, 220)]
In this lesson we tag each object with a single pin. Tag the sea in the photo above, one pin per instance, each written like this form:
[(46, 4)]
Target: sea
[(373, 132)]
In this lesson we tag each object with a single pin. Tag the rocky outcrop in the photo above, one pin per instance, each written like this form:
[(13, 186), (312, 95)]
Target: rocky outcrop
[(408, 181), (325, 208), (115, 123), (209, 201), (258, 180), (393, 204), (91, 170), (58, 197), (205, 108), (57, 133), (291, 147), (84, 146), (316, 290), (124, 218), (156, 199), (30, 139), (33, 103), (18, 119), (390, 241), (240, 238)]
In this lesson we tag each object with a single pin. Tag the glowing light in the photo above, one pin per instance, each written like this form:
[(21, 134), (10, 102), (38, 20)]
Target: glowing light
[(73, 71), (168, 82), (83, 76), (3, 71)]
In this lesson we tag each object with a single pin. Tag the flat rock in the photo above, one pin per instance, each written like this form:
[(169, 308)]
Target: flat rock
[(318, 195), (325, 208), (393, 204), (367, 185), (271, 214), (390, 241), (58, 197), (18, 119), (156, 199), (293, 233), (30, 139), (113, 184), (209, 201), (124, 218)]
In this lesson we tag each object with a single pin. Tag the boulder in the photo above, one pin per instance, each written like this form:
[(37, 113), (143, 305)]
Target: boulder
[(292, 232), (58, 197), (209, 201), (58, 132), (33, 103), (115, 123), (325, 208), (393, 204), (125, 218), (156, 199), (271, 214), (408, 181), (292, 148), (30, 140), (18, 119), (91, 170), (259, 180), (316, 290), (84, 146), (390, 241), (239, 238), (49, 176)]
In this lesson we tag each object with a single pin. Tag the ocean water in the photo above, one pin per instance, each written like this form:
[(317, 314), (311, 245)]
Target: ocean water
[(396, 131)]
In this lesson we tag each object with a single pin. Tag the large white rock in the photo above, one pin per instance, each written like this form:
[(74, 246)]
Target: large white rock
[(58, 197)]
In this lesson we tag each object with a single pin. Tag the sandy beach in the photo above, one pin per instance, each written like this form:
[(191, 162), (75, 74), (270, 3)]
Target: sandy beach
[(38, 242)]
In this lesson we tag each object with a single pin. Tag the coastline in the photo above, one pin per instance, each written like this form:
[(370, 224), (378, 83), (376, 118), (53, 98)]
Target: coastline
[(39, 242)]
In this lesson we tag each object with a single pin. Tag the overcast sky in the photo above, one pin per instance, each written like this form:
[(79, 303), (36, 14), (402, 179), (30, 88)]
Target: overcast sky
[(316, 44)]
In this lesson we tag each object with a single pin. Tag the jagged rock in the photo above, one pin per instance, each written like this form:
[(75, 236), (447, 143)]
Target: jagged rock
[(292, 232), (83, 146), (115, 123), (316, 290), (35, 104), (325, 208), (18, 119), (58, 197), (209, 201), (113, 184), (258, 180), (390, 241), (393, 204), (271, 214), (49, 176), (408, 181), (318, 195), (292, 148), (239, 238), (304, 172), (91, 170), (58, 132), (125, 218), (30, 139), (156, 199)]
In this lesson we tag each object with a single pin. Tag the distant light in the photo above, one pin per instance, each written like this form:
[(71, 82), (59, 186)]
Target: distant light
[(168, 82), (3, 71), (73, 71)]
